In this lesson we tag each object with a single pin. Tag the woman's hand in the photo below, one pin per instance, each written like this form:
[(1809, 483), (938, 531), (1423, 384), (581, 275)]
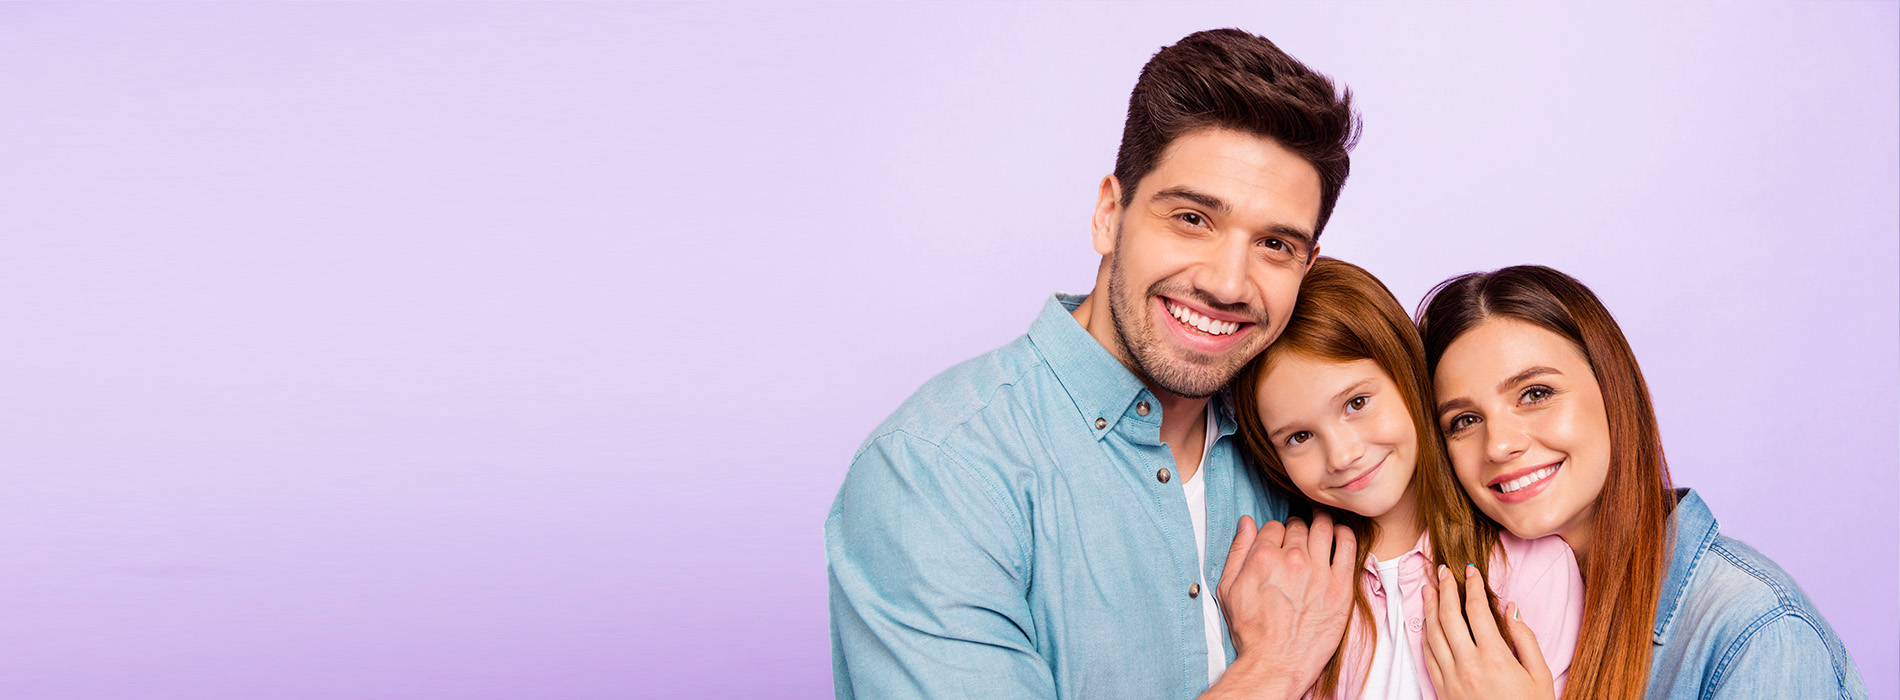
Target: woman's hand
[(1472, 661)]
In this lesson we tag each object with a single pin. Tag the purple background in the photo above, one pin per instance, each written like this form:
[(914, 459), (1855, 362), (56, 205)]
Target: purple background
[(517, 350)]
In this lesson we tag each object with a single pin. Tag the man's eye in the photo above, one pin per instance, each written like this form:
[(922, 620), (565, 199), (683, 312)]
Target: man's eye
[(1299, 437), (1274, 243), (1357, 403), (1191, 218)]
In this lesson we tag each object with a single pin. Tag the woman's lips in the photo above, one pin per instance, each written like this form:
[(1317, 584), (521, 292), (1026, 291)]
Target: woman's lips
[(1525, 491)]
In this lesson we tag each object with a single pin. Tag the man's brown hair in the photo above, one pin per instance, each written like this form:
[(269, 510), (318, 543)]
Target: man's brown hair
[(1227, 78)]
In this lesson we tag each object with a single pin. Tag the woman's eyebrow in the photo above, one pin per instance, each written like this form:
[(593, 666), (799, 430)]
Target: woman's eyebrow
[(1454, 404), (1537, 371)]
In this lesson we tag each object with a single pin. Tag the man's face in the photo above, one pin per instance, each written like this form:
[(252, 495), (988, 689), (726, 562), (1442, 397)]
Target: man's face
[(1206, 261)]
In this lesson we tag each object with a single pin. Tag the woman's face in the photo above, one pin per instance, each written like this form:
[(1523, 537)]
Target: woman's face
[(1523, 418), (1342, 431)]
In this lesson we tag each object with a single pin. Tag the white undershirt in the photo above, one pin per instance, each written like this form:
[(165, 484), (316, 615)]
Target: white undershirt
[(1196, 489), (1392, 676)]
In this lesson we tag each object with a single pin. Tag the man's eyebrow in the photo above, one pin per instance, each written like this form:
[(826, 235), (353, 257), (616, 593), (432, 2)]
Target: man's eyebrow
[(1537, 371), (1201, 198)]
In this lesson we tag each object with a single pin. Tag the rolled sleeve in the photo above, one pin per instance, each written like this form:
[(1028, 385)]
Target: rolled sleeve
[(928, 579)]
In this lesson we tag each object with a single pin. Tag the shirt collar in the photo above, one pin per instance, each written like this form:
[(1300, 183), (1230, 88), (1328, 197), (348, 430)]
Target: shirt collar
[(1099, 385), (1692, 528)]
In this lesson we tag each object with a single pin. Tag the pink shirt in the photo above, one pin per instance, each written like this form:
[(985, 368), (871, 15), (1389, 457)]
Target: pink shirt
[(1539, 575)]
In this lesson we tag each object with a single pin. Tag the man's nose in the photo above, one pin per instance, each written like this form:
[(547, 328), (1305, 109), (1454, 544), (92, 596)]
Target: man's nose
[(1223, 275)]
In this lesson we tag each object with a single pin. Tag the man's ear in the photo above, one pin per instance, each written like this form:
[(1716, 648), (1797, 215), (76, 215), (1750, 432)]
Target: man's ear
[(1311, 258), (1108, 206)]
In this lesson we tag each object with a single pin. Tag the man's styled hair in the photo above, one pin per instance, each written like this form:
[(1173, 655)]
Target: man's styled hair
[(1231, 79)]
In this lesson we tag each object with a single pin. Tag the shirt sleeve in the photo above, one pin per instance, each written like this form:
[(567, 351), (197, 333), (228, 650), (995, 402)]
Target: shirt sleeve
[(928, 580), (1543, 579), (1784, 658)]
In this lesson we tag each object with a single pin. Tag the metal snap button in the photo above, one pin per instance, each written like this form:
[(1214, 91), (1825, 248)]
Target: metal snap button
[(1163, 475)]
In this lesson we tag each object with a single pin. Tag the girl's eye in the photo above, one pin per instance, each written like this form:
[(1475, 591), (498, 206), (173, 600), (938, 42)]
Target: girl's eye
[(1358, 403), (1537, 393), (1299, 437)]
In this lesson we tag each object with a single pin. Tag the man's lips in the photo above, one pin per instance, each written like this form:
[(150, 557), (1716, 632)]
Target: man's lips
[(1204, 321)]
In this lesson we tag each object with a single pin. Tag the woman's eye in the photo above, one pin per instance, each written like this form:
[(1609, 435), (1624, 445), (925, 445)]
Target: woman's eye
[(1299, 437), (1357, 403), (1460, 423), (1537, 393)]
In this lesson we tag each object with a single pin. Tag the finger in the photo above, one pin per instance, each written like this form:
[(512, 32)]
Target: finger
[(1484, 625), (1529, 654), (1319, 538), (1451, 619), (1295, 534), (1271, 535), (1236, 554), (1437, 649), (1346, 559), (1431, 664)]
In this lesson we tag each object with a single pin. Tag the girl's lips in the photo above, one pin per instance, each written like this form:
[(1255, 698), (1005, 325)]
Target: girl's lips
[(1365, 479)]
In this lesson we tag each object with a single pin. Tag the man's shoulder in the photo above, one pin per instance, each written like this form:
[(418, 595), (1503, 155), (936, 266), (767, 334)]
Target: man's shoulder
[(1006, 380)]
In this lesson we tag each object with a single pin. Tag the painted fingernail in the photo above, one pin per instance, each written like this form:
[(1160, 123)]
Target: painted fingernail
[(1470, 565), (1514, 611)]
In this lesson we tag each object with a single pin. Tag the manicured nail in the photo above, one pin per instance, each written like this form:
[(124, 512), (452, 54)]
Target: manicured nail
[(1471, 566), (1514, 611)]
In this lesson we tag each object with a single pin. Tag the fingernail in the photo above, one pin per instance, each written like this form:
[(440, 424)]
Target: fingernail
[(1514, 611), (1471, 566)]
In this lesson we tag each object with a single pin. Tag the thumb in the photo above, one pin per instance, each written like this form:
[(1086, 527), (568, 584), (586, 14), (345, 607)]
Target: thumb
[(1236, 553), (1529, 654)]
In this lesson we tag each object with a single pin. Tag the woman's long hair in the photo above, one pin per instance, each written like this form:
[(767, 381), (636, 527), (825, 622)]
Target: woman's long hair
[(1629, 542), (1345, 314)]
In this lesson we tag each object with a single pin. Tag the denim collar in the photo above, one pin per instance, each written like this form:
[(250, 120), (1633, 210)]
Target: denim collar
[(1692, 529), (1099, 385)]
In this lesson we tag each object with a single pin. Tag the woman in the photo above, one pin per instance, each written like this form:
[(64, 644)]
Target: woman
[(1550, 429), (1337, 414)]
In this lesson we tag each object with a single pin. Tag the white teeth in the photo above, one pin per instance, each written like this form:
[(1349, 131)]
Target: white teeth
[(1206, 325), (1526, 480)]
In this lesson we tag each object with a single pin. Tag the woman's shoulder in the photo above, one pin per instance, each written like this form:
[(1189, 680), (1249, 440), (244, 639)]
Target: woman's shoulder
[(1735, 584), (1533, 559)]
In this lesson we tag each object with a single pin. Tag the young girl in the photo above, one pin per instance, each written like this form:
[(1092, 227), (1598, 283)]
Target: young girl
[(1337, 413)]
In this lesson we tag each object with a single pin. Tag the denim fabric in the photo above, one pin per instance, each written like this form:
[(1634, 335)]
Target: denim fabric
[(1005, 534), (1732, 624)]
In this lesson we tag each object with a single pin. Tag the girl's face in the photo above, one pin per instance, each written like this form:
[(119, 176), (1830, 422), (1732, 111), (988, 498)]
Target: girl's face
[(1524, 420), (1342, 431)]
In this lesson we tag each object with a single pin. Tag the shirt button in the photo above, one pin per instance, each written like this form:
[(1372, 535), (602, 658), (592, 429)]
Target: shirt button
[(1141, 408), (1101, 423), (1415, 624), (1194, 590), (1163, 475)]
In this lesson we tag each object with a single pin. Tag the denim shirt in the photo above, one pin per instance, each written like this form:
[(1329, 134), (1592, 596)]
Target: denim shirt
[(1016, 530), (1732, 624)]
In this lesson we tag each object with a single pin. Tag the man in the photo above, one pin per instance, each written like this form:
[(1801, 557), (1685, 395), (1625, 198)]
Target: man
[(1045, 520)]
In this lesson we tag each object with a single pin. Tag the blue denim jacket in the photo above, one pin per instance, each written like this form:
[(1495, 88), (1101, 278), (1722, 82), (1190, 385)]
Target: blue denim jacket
[(1732, 624), (1007, 534)]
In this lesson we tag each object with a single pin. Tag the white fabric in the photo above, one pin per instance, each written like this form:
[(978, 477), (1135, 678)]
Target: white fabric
[(1393, 675), (1196, 490)]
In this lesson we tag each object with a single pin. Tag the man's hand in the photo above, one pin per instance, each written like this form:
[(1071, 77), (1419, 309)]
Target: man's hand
[(1287, 594)]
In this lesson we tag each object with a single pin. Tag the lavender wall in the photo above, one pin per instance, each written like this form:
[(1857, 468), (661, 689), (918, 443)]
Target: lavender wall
[(516, 350)]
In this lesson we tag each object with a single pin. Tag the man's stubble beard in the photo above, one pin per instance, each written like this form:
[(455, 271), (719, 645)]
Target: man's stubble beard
[(1177, 377)]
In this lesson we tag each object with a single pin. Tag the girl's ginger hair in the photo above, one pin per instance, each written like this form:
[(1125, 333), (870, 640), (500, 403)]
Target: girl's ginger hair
[(1345, 314)]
